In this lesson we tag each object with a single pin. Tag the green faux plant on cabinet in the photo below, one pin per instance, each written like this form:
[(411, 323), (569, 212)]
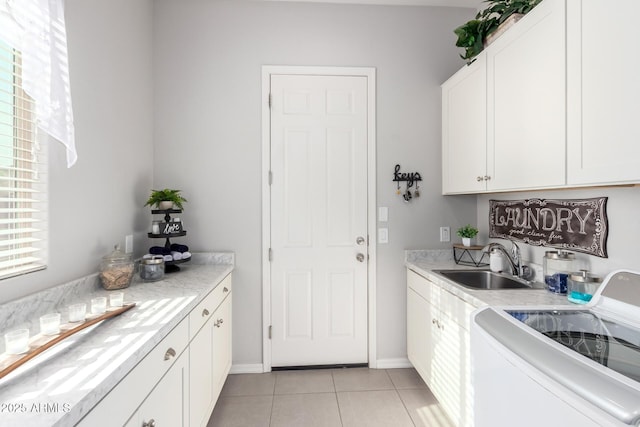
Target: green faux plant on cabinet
[(166, 195), (472, 34)]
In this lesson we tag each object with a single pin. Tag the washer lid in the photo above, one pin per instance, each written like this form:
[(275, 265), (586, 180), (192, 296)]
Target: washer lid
[(603, 340)]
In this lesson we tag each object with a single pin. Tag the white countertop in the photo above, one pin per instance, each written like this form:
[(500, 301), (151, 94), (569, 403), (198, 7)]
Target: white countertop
[(481, 298), (60, 386)]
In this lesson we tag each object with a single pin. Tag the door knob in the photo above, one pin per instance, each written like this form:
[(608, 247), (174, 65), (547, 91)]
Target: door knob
[(360, 257), (360, 240)]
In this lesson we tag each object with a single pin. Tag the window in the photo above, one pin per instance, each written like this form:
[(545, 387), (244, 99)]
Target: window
[(23, 192)]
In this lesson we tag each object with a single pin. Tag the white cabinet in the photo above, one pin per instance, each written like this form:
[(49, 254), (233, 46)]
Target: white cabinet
[(221, 347), (604, 89), (503, 117), (167, 404), (561, 98), (464, 129), (210, 355), (178, 383), (121, 404), (419, 335), (526, 95), (438, 345)]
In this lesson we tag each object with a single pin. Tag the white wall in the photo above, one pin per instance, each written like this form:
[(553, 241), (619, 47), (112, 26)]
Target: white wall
[(624, 226), (207, 60), (98, 201)]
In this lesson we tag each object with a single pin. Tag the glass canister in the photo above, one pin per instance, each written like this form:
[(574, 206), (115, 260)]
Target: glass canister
[(557, 266), (581, 286), (116, 270), (152, 269)]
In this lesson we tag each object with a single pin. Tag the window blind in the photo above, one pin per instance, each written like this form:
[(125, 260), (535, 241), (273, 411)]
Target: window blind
[(23, 173)]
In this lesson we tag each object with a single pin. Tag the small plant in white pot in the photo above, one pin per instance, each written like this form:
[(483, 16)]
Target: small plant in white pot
[(467, 233), (166, 199)]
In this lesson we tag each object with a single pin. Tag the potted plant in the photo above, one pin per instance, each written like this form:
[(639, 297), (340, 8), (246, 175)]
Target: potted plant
[(166, 199), (472, 34), (467, 233)]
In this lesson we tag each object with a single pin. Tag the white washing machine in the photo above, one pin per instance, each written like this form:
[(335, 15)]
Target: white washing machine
[(570, 366)]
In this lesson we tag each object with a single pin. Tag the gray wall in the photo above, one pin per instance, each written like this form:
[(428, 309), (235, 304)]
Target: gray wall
[(624, 226), (98, 201), (207, 60)]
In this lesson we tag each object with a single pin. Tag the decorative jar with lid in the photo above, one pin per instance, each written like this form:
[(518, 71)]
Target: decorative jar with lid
[(557, 266), (152, 268), (116, 270), (581, 286)]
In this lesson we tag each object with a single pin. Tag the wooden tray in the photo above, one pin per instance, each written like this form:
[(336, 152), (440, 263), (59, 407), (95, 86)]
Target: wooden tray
[(39, 343)]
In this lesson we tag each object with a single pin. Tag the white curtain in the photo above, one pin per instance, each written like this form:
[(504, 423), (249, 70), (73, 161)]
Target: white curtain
[(36, 28)]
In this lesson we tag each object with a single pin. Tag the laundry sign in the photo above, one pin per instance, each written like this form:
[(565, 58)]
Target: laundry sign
[(575, 225)]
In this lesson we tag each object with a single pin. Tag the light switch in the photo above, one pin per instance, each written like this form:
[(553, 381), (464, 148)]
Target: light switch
[(383, 214), (383, 235), (128, 243)]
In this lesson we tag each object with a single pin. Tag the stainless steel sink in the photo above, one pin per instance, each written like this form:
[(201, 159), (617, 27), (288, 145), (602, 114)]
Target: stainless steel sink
[(484, 279)]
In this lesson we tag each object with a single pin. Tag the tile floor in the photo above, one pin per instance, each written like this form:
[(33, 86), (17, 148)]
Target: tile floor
[(351, 397)]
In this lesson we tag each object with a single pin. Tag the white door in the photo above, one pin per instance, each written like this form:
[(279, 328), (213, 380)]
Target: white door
[(318, 220)]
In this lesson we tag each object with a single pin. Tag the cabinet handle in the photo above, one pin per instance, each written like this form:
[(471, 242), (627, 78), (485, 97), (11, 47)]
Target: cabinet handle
[(150, 423), (225, 289), (487, 178), (218, 323), (480, 179), (205, 312), (433, 321), (168, 355)]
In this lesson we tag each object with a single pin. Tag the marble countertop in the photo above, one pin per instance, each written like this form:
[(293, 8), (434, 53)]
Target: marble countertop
[(424, 266), (60, 386)]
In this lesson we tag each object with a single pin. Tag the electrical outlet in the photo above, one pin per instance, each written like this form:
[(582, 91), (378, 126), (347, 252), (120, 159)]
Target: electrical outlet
[(128, 243), (445, 234)]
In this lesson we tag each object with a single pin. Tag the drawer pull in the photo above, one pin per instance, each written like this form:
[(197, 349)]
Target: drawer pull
[(218, 323), (205, 312), (168, 355), (225, 289), (150, 423)]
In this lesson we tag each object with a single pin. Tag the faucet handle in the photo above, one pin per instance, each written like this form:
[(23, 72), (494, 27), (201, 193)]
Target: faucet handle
[(526, 272), (515, 251)]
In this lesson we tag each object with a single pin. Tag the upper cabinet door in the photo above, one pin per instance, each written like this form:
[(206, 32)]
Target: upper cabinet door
[(464, 129), (603, 138), (526, 94)]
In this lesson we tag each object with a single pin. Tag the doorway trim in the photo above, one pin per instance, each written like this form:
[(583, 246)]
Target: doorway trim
[(370, 74)]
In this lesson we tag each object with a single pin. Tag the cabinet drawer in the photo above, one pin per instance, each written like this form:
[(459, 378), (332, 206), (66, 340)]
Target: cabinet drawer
[(124, 399), (203, 311), (423, 287)]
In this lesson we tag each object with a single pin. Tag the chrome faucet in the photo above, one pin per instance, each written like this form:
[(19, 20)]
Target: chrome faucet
[(514, 258)]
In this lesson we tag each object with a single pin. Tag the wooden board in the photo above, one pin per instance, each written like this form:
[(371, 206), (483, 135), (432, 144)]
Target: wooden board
[(39, 343)]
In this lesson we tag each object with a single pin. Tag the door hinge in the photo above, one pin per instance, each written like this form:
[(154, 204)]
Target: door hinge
[(270, 330), (270, 100), (270, 177), (270, 255)]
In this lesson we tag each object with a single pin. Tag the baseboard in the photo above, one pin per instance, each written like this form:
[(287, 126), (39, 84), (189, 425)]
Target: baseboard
[(249, 368), (257, 368), (401, 362)]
